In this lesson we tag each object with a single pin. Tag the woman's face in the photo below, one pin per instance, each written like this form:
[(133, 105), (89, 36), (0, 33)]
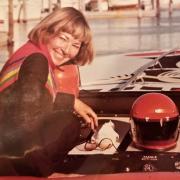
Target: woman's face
[(63, 48)]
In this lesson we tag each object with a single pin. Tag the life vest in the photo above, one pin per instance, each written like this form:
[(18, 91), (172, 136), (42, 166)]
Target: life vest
[(60, 79)]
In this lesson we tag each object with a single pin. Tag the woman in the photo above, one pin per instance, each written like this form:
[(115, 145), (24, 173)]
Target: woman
[(39, 95)]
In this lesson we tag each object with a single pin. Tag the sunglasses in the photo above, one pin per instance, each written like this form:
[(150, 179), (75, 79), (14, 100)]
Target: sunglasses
[(104, 144)]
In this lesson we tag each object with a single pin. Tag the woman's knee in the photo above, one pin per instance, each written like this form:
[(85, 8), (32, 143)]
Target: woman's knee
[(73, 127), (64, 124)]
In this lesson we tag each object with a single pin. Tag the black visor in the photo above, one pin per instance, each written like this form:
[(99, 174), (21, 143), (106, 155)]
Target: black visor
[(154, 131)]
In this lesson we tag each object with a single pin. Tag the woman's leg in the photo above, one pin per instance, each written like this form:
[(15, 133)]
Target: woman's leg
[(58, 135)]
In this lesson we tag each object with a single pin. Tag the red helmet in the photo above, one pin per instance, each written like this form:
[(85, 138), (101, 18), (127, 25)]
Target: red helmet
[(154, 122)]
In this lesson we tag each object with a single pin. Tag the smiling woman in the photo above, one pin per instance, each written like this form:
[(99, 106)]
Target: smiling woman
[(65, 20), (39, 95)]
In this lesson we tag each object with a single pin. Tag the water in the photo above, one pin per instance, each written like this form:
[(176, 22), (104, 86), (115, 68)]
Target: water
[(119, 35), (131, 34)]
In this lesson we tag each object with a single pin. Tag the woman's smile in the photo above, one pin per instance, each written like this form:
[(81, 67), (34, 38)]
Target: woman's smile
[(59, 52)]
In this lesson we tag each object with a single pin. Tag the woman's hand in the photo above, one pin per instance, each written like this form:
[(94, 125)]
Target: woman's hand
[(87, 113)]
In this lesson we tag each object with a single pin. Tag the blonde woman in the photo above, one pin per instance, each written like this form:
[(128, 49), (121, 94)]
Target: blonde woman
[(39, 95)]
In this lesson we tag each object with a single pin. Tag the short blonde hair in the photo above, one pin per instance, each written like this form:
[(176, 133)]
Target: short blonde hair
[(68, 20)]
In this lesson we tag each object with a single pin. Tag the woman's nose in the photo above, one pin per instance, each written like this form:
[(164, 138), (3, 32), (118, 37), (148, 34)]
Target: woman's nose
[(67, 48)]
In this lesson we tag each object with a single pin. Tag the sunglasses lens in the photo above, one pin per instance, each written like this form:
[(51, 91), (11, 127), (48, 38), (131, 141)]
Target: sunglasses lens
[(89, 146), (105, 144)]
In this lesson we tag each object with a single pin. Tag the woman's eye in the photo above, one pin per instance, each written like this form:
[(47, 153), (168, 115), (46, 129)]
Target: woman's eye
[(76, 46), (62, 38)]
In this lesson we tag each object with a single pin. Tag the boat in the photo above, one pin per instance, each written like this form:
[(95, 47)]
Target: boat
[(110, 86), (112, 83)]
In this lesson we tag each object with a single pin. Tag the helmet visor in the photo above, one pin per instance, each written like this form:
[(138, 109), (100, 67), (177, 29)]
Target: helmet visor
[(156, 130)]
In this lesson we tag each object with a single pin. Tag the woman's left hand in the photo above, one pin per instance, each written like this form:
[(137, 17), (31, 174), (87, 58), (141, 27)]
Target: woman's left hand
[(87, 113)]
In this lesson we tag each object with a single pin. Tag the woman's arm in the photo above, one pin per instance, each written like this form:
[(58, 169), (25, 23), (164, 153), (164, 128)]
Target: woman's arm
[(34, 99), (86, 113)]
